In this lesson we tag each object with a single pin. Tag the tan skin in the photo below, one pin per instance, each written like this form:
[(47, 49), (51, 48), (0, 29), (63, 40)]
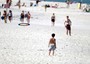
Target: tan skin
[(5, 16), (18, 4), (53, 17), (68, 21), (28, 14), (52, 41)]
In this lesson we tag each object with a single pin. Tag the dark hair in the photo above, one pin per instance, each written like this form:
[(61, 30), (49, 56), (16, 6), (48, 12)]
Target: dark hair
[(67, 16), (53, 35), (10, 11), (53, 13), (4, 10)]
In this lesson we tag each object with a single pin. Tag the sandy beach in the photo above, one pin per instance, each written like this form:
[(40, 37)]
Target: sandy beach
[(29, 44)]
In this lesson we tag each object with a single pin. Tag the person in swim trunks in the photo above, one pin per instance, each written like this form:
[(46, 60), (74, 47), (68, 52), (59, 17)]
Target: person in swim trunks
[(67, 24), (52, 44)]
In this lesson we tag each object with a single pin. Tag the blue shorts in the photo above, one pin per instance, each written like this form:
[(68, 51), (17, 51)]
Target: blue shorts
[(52, 47)]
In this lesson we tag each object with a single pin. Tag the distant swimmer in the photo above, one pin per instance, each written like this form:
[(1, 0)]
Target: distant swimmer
[(67, 24)]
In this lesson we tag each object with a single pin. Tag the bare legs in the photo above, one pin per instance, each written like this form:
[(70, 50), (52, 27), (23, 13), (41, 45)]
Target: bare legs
[(52, 53), (53, 23), (68, 31), (28, 21)]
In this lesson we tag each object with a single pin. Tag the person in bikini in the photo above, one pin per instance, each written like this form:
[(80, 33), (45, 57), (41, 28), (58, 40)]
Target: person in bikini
[(67, 24), (28, 17), (10, 15), (22, 17), (52, 44), (5, 16), (53, 19)]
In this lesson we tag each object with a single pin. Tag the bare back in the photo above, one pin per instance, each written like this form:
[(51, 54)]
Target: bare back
[(53, 17), (52, 41)]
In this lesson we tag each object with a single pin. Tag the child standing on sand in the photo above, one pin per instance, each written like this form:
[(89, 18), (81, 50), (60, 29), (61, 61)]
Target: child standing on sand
[(52, 44)]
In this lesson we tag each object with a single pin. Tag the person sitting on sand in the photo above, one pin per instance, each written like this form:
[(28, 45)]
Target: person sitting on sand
[(37, 1), (55, 6), (31, 4), (24, 5), (18, 4), (67, 24), (52, 44)]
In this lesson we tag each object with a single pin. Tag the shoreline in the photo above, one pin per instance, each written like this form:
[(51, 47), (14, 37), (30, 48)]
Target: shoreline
[(72, 2)]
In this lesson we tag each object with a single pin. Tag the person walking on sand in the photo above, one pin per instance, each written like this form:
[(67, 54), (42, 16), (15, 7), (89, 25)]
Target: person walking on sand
[(5, 16), (67, 24), (68, 3), (10, 15), (53, 19), (28, 17), (22, 16), (52, 44), (19, 4), (45, 8)]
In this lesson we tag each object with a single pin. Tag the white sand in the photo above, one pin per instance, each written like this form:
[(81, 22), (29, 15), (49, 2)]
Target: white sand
[(29, 44)]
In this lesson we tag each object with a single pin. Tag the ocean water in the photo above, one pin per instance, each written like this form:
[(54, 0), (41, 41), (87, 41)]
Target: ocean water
[(83, 1)]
